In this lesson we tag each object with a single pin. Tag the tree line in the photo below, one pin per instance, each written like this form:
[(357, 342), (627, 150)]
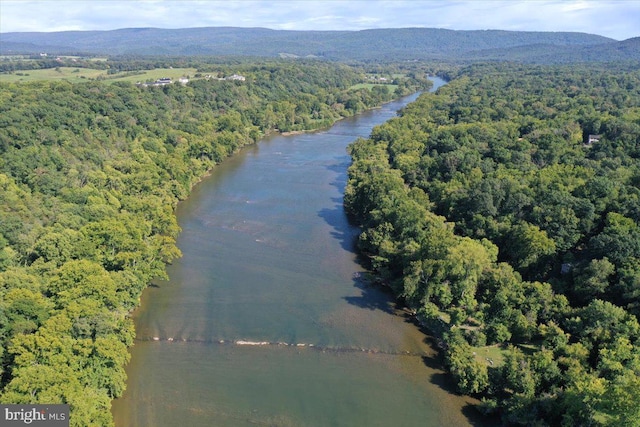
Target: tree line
[(90, 174), (504, 211)]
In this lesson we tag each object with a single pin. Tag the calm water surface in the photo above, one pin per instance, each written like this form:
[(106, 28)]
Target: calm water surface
[(264, 320)]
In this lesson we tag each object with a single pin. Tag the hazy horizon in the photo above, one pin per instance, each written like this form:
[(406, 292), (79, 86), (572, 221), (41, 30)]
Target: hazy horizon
[(618, 20)]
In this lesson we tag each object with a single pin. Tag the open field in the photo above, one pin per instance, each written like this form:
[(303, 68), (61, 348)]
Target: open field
[(492, 355), (81, 74), (61, 73), (153, 75)]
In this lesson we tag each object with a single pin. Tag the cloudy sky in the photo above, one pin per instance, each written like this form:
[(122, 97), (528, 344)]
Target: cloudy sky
[(618, 19)]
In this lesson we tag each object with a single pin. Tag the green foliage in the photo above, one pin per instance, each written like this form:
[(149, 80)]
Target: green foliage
[(524, 231), (90, 175), (527, 245), (593, 280), (470, 375)]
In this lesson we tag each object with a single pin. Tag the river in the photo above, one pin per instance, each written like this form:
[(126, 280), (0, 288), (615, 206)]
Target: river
[(265, 320)]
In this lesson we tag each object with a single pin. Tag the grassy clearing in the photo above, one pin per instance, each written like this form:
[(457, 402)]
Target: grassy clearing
[(530, 349), (492, 355), (61, 73), (82, 74)]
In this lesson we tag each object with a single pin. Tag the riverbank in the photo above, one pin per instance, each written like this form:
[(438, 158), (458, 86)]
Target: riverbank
[(280, 269), (95, 173)]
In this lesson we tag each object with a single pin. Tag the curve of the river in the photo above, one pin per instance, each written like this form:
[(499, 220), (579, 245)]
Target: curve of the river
[(265, 321)]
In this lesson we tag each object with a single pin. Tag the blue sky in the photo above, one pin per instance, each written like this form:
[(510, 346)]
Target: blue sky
[(618, 19)]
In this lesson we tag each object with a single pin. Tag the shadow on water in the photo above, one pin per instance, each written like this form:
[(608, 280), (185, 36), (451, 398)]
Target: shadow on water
[(341, 230), (376, 297), (475, 418), (340, 169), (443, 379), (336, 216), (372, 296)]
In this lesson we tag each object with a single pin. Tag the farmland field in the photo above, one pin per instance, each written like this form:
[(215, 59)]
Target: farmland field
[(79, 74), (61, 73), (152, 75)]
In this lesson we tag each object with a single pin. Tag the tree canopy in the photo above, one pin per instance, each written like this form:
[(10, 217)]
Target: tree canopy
[(90, 174), (504, 211)]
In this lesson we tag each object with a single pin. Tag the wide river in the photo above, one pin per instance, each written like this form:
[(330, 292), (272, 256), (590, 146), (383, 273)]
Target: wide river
[(265, 321)]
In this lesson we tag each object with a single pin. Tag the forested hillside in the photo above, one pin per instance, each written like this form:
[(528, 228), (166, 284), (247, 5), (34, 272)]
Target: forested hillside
[(393, 45), (90, 174), (505, 211), (556, 54)]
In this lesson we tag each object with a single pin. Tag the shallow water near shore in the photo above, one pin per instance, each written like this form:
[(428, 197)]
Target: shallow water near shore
[(266, 319)]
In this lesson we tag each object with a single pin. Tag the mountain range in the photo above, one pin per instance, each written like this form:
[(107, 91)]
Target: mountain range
[(375, 44)]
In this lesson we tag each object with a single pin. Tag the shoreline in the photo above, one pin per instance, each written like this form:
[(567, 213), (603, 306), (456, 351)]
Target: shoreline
[(208, 173)]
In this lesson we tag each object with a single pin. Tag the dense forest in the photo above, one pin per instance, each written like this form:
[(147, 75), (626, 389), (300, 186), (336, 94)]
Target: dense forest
[(504, 211), (90, 174)]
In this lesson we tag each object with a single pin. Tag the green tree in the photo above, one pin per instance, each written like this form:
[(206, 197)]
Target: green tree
[(594, 280), (471, 376), (528, 245), (83, 279)]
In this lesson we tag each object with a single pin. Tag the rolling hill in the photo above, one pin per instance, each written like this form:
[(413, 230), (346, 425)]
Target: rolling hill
[(397, 44)]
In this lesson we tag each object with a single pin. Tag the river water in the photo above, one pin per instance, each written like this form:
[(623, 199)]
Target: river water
[(265, 320)]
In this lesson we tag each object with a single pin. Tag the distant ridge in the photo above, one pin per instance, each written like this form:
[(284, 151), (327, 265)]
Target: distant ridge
[(398, 44)]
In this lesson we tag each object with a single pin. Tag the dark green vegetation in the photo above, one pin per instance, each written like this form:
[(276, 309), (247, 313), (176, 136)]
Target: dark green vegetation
[(90, 174), (378, 44), (485, 207), (514, 238)]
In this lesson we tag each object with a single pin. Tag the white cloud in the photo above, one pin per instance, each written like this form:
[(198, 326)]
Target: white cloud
[(617, 19), (577, 5)]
